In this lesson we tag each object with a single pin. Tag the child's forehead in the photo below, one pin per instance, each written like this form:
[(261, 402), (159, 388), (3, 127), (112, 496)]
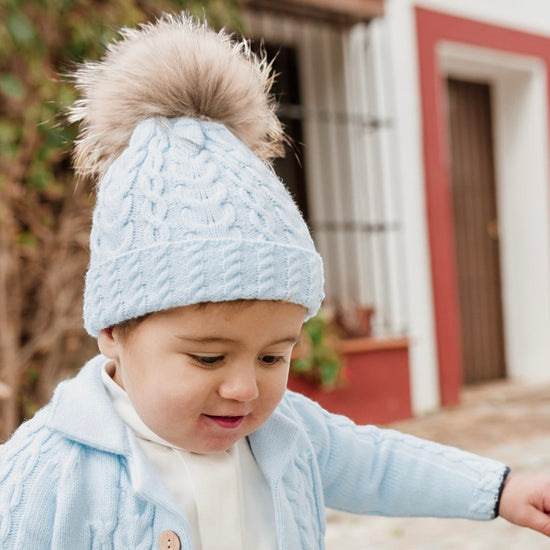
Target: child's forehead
[(213, 320), (229, 305), (237, 321), (224, 308), (211, 310), (215, 313)]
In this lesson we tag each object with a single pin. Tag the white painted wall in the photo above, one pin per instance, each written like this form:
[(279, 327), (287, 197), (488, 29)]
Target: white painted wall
[(522, 161), (402, 72), (527, 15)]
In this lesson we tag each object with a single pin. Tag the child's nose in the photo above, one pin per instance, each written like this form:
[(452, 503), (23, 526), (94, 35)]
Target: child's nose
[(240, 384)]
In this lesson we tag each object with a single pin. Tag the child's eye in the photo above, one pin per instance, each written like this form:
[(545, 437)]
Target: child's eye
[(208, 360), (271, 359)]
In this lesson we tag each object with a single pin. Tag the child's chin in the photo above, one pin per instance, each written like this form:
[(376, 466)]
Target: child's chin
[(213, 445), (211, 449)]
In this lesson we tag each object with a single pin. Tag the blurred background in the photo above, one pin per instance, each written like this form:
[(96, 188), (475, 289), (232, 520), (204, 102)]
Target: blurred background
[(45, 214), (419, 159)]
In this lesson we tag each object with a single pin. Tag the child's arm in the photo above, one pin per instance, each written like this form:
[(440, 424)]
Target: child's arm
[(367, 470), (525, 501)]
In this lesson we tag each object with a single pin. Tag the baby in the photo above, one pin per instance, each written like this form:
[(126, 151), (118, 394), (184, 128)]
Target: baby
[(181, 433)]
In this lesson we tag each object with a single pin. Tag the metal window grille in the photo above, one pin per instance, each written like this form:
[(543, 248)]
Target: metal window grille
[(348, 174)]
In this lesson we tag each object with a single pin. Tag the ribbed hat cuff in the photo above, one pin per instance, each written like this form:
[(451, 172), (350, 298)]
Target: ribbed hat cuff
[(171, 275)]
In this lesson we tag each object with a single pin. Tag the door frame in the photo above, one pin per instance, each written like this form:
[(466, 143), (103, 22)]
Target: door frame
[(518, 63)]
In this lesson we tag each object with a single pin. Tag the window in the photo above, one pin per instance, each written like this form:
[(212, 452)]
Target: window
[(290, 168), (332, 102)]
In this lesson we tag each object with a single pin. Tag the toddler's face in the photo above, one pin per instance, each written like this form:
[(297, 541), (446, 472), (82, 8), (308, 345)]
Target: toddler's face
[(203, 377)]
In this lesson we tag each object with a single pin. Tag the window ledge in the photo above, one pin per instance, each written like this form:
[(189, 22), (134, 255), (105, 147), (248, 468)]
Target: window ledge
[(366, 344)]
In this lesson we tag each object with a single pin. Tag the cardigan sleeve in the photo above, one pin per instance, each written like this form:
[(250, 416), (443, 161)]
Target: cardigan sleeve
[(368, 470), (27, 488)]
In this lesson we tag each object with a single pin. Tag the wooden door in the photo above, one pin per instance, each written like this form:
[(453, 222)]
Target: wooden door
[(476, 230)]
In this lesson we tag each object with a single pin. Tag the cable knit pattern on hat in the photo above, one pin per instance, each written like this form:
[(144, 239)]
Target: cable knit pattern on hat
[(189, 214)]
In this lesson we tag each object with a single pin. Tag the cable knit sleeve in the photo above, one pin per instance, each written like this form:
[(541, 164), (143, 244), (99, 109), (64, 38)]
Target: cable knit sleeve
[(369, 470)]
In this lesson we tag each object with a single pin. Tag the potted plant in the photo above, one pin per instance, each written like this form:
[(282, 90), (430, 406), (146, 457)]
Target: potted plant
[(315, 357), (339, 364)]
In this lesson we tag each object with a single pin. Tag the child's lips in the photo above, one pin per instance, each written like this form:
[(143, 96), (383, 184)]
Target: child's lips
[(228, 422)]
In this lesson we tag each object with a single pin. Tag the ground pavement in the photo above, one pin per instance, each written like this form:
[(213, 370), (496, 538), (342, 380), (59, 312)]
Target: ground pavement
[(505, 421)]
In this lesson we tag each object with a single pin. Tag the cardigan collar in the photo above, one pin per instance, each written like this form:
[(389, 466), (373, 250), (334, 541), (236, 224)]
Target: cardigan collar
[(82, 411)]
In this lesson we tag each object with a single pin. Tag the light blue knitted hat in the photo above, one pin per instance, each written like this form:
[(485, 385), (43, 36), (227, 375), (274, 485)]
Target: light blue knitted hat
[(186, 212)]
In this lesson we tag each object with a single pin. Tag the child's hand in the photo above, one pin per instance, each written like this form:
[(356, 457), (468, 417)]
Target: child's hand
[(525, 501)]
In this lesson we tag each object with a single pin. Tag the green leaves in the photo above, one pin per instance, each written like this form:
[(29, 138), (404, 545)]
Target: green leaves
[(40, 41), (322, 363), (26, 238), (10, 134), (21, 29), (11, 86)]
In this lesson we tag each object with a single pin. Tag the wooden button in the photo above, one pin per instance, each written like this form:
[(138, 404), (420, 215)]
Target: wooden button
[(168, 540)]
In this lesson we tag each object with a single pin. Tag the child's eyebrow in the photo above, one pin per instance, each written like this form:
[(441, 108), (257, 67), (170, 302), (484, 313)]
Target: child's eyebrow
[(221, 340)]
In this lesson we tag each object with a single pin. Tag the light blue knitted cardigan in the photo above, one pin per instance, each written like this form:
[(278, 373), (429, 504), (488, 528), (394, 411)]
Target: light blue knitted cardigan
[(75, 477)]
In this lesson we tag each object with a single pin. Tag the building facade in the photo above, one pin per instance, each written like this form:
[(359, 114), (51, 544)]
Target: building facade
[(423, 132)]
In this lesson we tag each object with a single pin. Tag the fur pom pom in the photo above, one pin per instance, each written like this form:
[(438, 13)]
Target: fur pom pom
[(175, 67)]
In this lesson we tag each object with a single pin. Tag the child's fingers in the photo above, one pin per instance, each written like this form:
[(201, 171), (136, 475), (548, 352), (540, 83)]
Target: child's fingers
[(539, 521)]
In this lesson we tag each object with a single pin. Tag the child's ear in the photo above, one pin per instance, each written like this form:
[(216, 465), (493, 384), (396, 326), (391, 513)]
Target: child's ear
[(107, 343)]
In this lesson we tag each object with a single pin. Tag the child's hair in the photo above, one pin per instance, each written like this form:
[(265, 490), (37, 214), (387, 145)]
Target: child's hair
[(179, 128), (125, 328)]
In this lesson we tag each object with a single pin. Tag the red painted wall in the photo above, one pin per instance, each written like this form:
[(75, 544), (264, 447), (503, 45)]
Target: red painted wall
[(432, 28), (376, 390)]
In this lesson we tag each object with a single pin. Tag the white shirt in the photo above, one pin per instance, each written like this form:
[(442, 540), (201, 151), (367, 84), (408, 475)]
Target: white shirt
[(224, 496)]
